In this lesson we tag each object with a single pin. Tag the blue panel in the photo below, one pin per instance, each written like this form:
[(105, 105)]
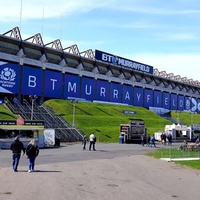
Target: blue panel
[(194, 104), (181, 102), (148, 98), (32, 81), (72, 86), (187, 104), (138, 98), (173, 103), (87, 88), (102, 90), (198, 110), (157, 100), (9, 77), (115, 92), (166, 100), (127, 95), (53, 84)]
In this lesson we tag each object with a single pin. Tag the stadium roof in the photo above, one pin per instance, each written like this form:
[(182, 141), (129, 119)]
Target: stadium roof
[(53, 52)]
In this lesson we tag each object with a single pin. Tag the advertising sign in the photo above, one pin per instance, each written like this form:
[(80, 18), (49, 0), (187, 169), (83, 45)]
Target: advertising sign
[(128, 112), (138, 99), (87, 88), (9, 77), (166, 100), (115, 92), (148, 98), (180, 102), (157, 98), (72, 86), (102, 90), (49, 137), (173, 103), (53, 84), (127, 95), (123, 62), (32, 81), (187, 104)]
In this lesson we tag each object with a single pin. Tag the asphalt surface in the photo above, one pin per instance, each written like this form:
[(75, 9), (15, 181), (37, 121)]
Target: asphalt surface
[(112, 172)]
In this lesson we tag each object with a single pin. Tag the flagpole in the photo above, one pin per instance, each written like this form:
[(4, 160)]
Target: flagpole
[(42, 20), (61, 27), (20, 16)]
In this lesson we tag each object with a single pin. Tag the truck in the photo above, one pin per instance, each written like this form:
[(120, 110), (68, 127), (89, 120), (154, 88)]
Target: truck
[(133, 131)]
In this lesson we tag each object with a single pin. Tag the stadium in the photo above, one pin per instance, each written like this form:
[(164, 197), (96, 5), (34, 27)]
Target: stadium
[(33, 72)]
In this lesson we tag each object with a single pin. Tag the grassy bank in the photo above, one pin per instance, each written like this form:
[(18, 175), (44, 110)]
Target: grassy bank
[(104, 119)]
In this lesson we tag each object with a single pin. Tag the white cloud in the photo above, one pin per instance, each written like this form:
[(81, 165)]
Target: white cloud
[(185, 65), (34, 9)]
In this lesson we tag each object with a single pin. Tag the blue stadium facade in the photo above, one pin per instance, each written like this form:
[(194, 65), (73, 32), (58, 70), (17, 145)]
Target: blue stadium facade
[(30, 67)]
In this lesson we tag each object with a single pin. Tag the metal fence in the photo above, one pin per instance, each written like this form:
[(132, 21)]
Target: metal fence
[(180, 151)]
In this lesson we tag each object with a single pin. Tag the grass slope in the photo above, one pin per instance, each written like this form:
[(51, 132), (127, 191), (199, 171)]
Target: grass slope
[(186, 118), (5, 114), (104, 119)]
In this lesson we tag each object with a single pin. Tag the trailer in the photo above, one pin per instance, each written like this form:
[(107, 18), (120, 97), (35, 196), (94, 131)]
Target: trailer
[(133, 131)]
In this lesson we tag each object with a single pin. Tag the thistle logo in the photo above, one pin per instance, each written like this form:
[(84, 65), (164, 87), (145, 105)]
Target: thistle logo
[(7, 79), (8, 74)]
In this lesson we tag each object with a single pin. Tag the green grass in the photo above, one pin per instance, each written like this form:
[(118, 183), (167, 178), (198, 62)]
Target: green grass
[(5, 114), (186, 118), (105, 119), (176, 153)]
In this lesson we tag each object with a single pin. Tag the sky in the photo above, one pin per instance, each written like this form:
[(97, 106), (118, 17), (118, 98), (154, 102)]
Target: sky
[(163, 34)]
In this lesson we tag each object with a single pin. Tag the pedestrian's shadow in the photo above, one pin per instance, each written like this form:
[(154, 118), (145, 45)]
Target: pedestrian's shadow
[(55, 171), (42, 171)]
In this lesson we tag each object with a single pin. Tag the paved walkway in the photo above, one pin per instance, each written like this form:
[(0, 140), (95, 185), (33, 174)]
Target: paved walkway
[(113, 172)]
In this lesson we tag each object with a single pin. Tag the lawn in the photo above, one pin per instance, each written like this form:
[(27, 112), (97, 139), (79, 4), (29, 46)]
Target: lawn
[(177, 153)]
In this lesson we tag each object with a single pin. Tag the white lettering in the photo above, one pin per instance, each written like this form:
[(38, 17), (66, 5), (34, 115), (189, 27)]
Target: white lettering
[(71, 87), (127, 96), (166, 101), (106, 57), (138, 96), (32, 81), (102, 91), (181, 103), (86, 90), (53, 83), (173, 102), (148, 98), (115, 94), (157, 100)]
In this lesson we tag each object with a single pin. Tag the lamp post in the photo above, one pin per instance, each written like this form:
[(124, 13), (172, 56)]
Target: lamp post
[(32, 98), (192, 117), (177, 116), (73, 101)]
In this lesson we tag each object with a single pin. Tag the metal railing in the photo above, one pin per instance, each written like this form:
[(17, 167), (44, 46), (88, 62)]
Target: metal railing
[(33, 111)]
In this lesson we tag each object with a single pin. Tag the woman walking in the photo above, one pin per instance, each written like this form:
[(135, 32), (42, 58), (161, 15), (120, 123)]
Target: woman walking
[(32, 152)]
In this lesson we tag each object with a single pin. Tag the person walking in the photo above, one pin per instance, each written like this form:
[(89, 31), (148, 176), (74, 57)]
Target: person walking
[(142, 137), (84, 142), (92, 142), (32, 152), (16, 148), (152, 141)]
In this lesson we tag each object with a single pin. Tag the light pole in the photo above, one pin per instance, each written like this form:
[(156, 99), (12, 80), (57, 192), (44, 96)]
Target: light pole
[(177, 116), (73, 101), (192, 117), (32, 98)]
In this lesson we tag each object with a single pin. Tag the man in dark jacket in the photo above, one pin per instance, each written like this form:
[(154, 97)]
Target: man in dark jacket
[(16, 148)]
